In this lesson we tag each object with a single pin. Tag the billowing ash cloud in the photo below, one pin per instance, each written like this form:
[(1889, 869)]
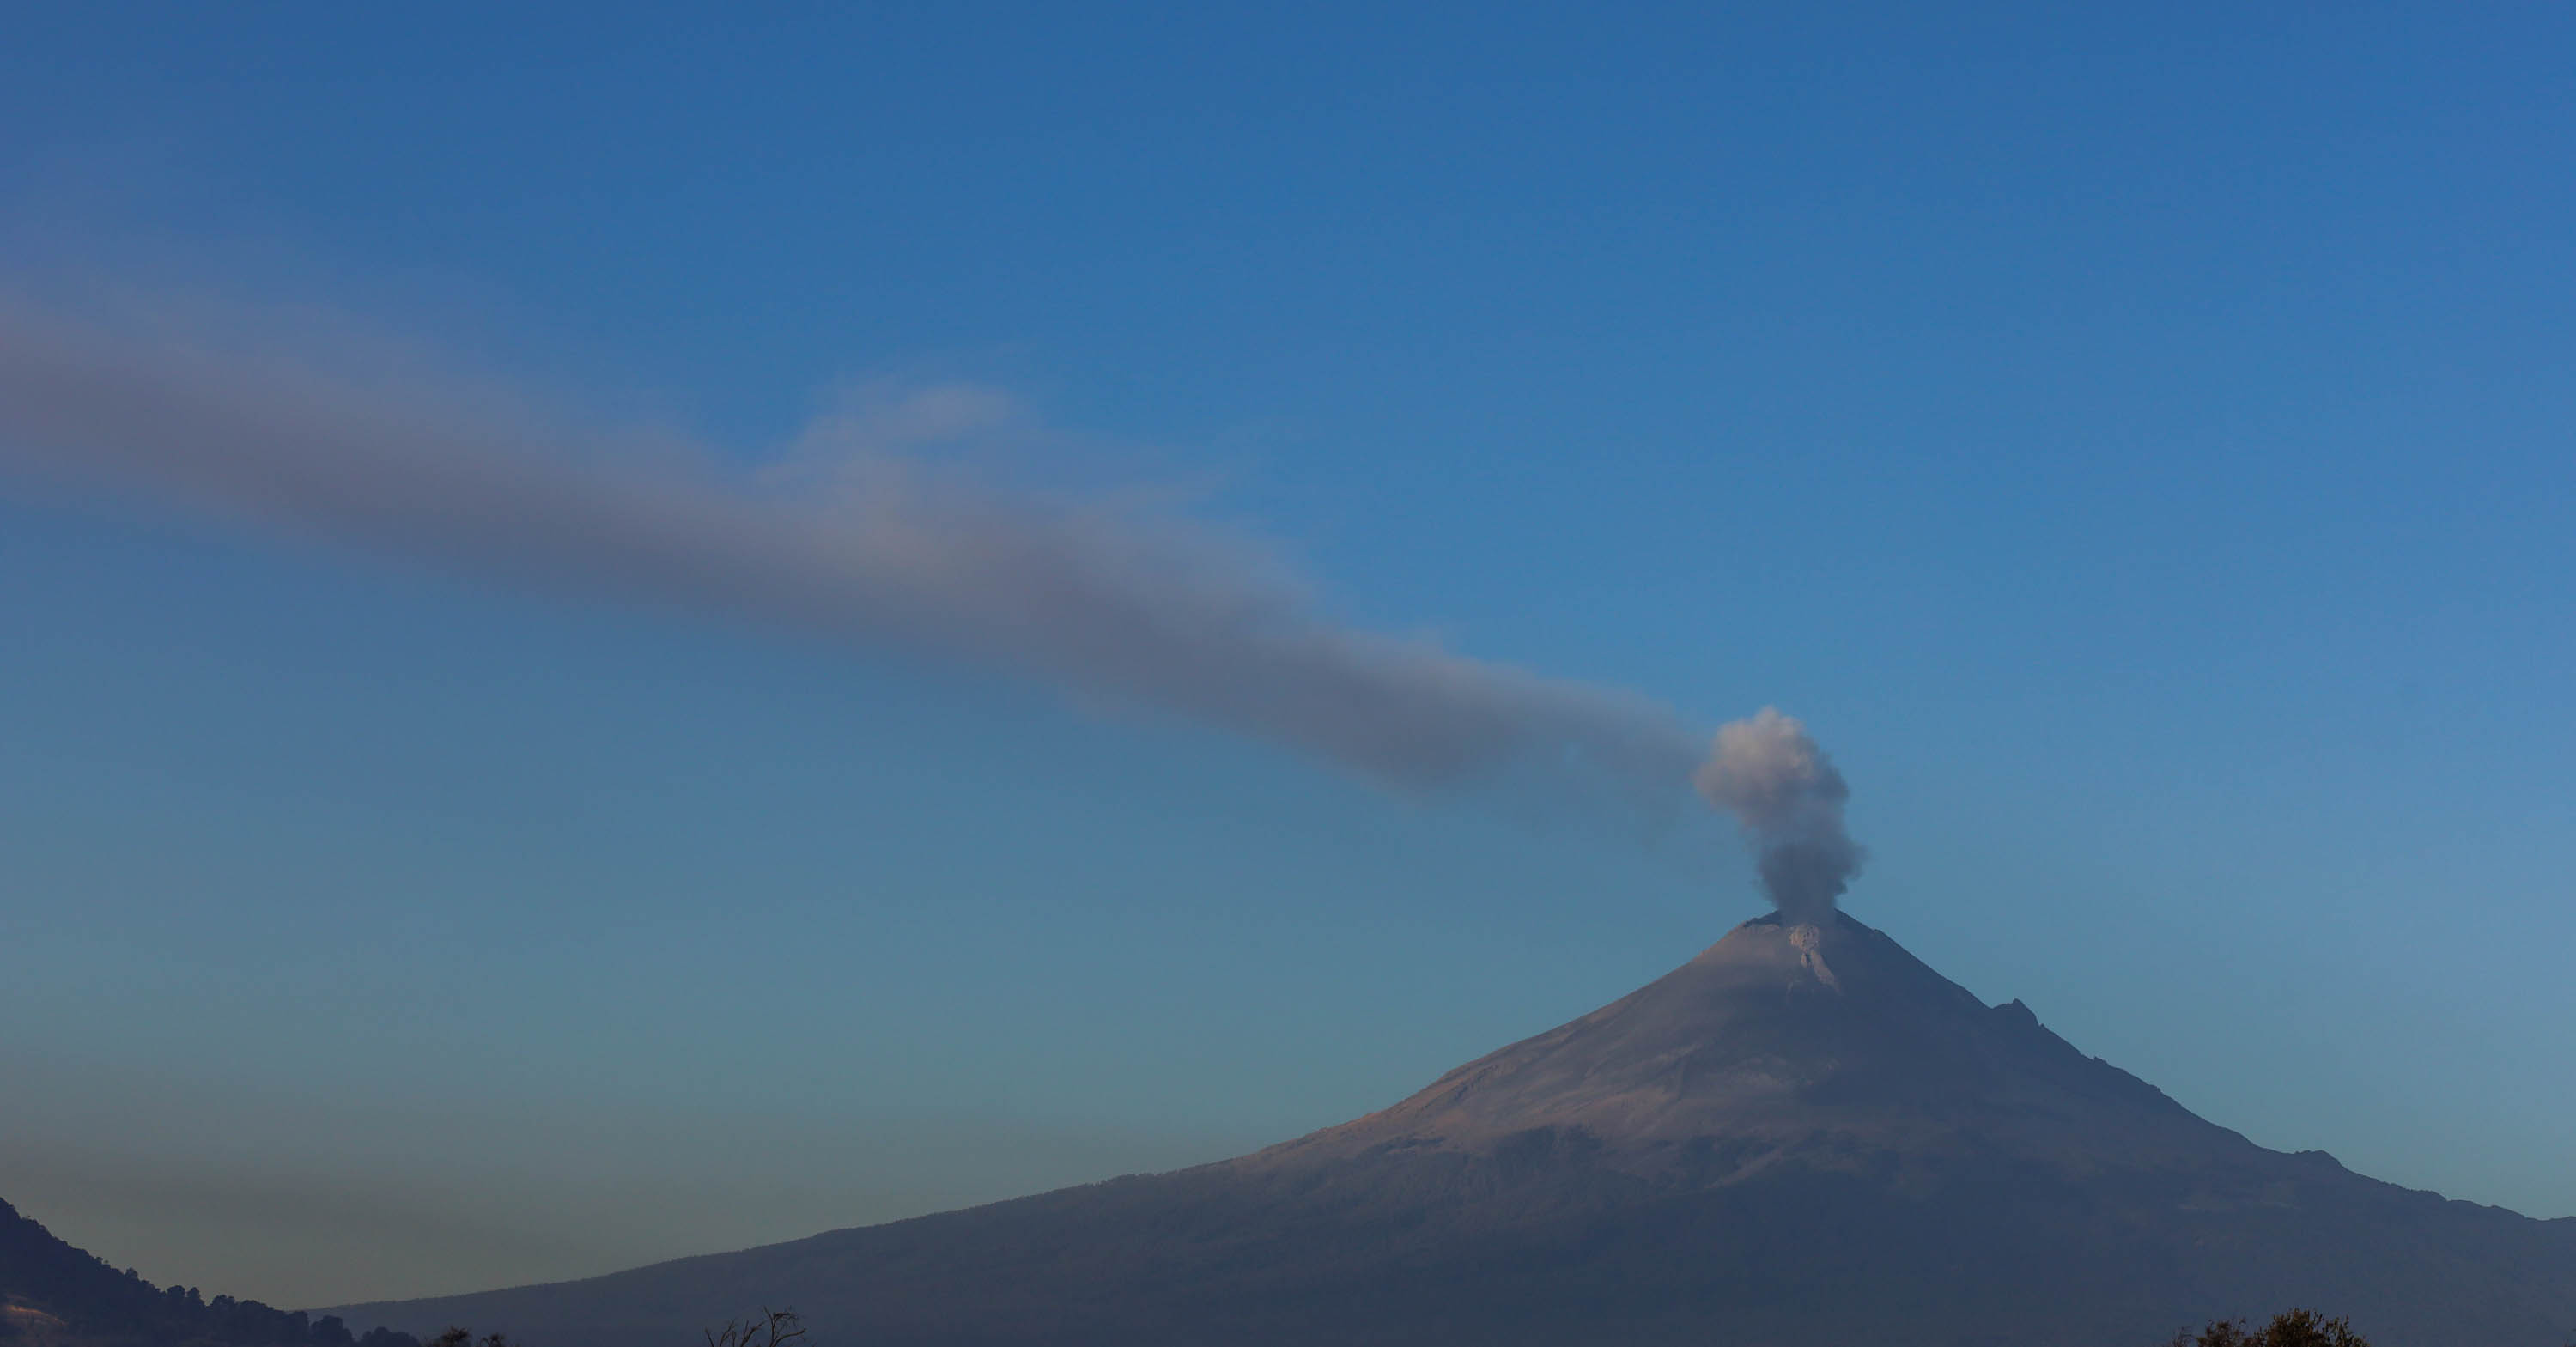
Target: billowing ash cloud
[(1785, 791), (852, 539)]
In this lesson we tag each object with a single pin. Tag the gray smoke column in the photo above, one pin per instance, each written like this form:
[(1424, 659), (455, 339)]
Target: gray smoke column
[(852, 538), (1771, 775)]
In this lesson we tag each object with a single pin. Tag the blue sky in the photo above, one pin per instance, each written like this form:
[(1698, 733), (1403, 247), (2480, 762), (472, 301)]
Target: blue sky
[(2136, 443)]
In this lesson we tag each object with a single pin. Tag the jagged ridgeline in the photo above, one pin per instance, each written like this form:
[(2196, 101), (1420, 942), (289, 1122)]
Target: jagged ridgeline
[(55, 1295)]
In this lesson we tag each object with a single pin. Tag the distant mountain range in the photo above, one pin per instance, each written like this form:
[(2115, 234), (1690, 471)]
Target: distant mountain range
[(55, 1295), (1803, 1137)]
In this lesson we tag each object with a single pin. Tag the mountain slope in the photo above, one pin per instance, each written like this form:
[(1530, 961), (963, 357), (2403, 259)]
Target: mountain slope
[(53, 1294), (1803, 1135)]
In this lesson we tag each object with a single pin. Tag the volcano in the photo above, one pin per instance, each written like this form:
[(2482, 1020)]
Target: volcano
[(1802, 1136)]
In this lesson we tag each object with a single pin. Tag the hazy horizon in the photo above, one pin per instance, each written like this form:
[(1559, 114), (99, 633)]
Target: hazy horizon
[(2133, 445)]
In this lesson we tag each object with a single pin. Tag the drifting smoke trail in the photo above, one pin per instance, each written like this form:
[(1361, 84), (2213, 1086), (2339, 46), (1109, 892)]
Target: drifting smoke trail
[(1147, 610), (1781, 786)]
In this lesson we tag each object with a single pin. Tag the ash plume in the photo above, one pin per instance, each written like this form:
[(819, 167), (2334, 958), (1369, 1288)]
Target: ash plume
[(855, 539), (1770, 774)]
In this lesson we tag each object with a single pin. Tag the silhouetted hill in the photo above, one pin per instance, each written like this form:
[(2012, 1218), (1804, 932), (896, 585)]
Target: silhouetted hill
[(1802, 1136), (55, 1295)]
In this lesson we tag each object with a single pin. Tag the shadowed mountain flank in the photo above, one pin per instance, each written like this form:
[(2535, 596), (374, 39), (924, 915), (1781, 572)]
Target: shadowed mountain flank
[(1802, 1136), (53, 1294)]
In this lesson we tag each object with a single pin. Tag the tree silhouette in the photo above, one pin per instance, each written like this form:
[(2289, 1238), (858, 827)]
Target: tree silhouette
[(2297, 1328), (770, 1328)]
